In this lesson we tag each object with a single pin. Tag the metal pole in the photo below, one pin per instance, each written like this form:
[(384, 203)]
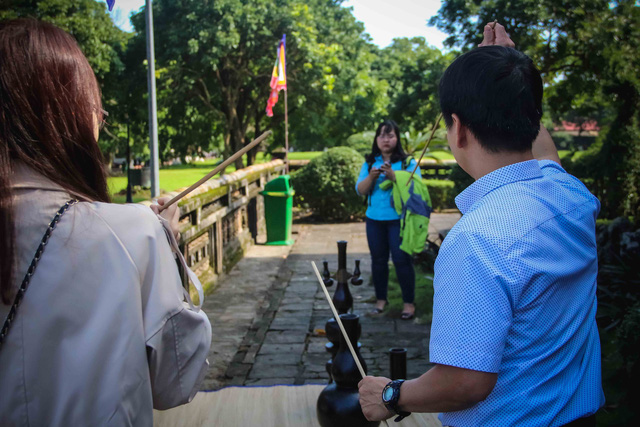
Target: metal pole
[(129, 195), (153, 114), (286, 134)]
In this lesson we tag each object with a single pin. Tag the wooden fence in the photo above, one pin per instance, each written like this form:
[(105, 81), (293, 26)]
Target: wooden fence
[(222, 218)]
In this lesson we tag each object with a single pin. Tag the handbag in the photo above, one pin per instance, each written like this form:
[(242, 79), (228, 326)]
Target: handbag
[(31, 270)]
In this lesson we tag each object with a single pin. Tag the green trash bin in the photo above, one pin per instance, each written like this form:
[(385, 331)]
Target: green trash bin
[(278, 204)]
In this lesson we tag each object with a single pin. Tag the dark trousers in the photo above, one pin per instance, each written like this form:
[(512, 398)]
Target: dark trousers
[(384, 238)]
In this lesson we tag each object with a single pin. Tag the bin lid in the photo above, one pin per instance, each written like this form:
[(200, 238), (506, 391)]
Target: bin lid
[(280, 183)]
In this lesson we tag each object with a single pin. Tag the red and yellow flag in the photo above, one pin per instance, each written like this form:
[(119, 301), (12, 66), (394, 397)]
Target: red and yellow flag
[(278, 77)]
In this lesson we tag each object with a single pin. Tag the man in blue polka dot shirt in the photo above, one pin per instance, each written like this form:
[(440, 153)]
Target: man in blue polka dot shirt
[(514, 338)]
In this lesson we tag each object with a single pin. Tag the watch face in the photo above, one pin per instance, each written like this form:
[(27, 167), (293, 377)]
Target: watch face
[(387, 394)]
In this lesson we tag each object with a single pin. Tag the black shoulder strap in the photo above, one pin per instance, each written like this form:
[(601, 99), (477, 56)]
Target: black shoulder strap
[(32, 268)]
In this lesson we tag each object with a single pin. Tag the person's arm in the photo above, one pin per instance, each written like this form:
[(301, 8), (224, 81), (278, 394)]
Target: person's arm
[(177, 337), (472, 314), (441, 389), (544, 148), (365, 185)]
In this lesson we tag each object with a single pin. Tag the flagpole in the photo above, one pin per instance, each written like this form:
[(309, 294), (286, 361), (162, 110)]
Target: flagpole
[(153, 113), (286, 134)]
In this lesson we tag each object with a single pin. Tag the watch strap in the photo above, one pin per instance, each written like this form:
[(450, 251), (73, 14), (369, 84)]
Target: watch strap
[(392, 405)]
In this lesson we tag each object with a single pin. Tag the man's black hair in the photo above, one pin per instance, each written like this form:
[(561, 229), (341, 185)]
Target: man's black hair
[(497, 93), (387, 126)]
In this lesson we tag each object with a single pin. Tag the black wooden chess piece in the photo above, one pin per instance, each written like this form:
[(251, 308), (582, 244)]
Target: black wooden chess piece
[(326, 275), (398, 363), (338, 404), (342, 298), (356, 280)]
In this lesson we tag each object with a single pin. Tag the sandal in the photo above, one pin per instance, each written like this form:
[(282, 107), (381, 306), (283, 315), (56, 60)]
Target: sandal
[(376, 311), (407, 316)]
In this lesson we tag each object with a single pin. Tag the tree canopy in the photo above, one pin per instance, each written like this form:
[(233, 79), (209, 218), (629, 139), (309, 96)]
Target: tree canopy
[(588, 54)]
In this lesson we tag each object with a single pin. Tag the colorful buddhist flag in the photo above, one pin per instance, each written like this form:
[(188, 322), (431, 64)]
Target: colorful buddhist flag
[(110, 3), (278, 76)]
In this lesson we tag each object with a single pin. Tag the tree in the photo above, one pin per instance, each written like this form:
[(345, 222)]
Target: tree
[(216, 60), (588, 54), (413, 70)]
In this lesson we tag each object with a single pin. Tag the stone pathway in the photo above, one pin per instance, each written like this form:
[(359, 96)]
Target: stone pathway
[(267, 312)]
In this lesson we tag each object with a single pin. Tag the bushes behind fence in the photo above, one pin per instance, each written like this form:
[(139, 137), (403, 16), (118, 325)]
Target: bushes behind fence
[(327, 184)]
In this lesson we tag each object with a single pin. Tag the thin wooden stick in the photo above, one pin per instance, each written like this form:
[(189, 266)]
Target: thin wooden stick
[(424, 150), (337, 316), (493, 24), (344, 332), (217, 169)]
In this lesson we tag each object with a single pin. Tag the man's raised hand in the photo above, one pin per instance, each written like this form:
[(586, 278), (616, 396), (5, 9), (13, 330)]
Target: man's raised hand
[(494, 34)]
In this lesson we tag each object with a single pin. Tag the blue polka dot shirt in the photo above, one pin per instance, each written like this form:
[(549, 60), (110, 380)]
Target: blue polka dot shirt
[(515, 294)]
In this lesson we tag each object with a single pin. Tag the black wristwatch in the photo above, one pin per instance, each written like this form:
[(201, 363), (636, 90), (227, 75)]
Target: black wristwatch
[(390, 397)]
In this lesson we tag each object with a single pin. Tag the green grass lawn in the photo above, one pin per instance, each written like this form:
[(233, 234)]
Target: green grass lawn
[(437, 154), (179, 176), (304, 155), (423, 297)]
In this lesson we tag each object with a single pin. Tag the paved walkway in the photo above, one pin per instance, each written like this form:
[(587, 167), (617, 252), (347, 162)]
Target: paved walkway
[(266, 313)]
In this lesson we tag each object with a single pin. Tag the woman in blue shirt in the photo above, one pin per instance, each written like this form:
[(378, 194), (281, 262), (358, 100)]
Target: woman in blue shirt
[(383, 222)]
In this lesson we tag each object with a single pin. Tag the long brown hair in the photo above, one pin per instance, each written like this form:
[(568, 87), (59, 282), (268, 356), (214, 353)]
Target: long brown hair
[(49, 104)]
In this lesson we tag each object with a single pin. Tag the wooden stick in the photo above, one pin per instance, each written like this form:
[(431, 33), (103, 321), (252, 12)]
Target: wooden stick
[(424, 150), (337, 317), (217, 169), (344, 332), (493, 24)]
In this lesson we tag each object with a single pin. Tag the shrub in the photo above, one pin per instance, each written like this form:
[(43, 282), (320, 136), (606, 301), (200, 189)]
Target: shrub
[(460, 178), (361, 142), (327, 184), (441, 192)]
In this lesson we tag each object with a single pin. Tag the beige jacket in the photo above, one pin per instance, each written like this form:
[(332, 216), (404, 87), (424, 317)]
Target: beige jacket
[(102, 335)]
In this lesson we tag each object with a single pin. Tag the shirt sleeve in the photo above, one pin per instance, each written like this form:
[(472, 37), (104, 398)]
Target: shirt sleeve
[(177, 338), (472, 307), (364, 172)]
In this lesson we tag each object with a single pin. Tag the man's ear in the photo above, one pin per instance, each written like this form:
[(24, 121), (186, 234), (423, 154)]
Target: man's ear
[(460, 132)]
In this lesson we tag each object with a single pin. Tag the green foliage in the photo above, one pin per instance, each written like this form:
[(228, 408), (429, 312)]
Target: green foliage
[(628, 335), (442, 193), (618, 319), (214, 62), (412, 69), (423, 293), (588, 54), (327, 184), (461, 179), (414, 142), (361, 142)]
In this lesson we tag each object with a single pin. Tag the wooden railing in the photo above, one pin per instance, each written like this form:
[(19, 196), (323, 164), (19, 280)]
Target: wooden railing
[(222, 218)]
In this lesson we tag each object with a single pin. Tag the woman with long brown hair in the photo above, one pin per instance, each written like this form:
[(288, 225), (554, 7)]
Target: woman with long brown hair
[(95, 327)]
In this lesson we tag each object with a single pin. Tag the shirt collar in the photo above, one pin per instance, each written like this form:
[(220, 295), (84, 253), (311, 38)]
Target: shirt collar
[(25, 177), (520, 171)]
